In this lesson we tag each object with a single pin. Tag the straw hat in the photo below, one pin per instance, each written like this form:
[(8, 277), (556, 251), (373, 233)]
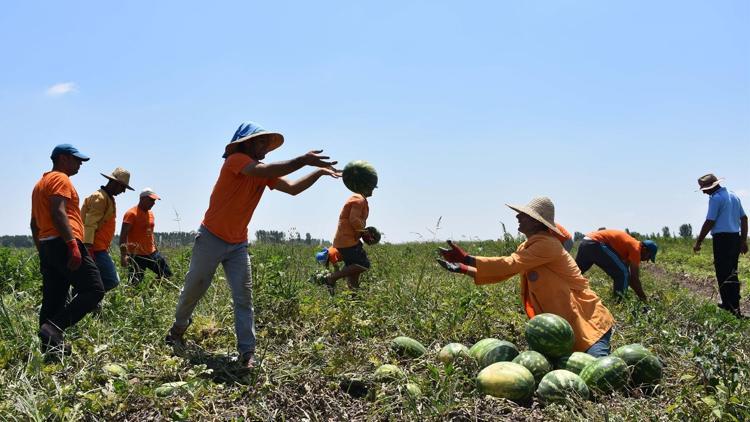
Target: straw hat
[(540, 209), (708, 182), (121, 176), (251, 130)]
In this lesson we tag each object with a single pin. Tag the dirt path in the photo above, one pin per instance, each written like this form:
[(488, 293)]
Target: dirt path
[(706, 287)]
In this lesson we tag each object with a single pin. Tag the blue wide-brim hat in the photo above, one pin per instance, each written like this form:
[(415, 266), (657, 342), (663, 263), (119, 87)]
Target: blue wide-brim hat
[(251, 130)]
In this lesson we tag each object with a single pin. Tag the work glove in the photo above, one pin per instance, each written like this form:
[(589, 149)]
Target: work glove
[(453, 267), (455, 254), (74, 255)]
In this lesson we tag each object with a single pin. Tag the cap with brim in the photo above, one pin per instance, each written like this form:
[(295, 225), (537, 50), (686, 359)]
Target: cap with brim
[(540, 209), (708, 182), (149, 193), (121, 176), (70, 150), (651, 246), (248, 131)]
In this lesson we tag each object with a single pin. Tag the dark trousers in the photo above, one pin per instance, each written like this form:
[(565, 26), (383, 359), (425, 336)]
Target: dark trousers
[(57, 280), (726, 258), (591, 252), (154, 262)]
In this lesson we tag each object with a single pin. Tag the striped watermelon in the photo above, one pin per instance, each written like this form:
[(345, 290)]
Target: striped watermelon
[(507, 380), (535, 362), (550, 335), (561, 385), (477, 348), (489, 351), (388, 372), (360, 177), (451, 351), (574, 362), (606, 374), (645, 368), (407, 347)]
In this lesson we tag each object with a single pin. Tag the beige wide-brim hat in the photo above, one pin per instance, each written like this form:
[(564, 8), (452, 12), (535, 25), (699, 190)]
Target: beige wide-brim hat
[(121, 176), (540, 209), (708, 182)]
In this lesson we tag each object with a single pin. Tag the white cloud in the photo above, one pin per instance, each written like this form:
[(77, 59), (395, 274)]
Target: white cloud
[(60, 89)]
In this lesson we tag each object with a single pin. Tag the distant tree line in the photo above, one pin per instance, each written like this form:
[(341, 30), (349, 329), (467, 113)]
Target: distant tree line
[(294, 237)]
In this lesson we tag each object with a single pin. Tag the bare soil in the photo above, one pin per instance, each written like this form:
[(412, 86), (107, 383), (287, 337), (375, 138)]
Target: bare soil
[(702, 286)]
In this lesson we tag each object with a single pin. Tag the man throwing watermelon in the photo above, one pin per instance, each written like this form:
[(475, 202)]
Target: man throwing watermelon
[(550, 279), (222, 237)]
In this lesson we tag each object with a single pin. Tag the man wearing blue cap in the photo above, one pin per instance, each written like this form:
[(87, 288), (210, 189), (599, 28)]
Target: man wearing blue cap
[(727, 222), (222, 237), (58, 232), (619, 254)]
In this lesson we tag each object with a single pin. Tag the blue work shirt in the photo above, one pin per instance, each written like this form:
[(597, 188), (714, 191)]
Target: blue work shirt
[(725, 209)]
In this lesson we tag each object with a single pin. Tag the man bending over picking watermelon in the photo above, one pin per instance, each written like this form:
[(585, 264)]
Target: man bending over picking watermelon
[(550, 279), (222, 237), (361, 178)]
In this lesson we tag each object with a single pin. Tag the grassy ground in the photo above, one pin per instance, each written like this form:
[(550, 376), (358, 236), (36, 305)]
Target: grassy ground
[(310, 343)]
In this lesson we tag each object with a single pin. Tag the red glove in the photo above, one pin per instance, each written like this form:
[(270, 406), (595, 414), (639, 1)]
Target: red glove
[(453, 267), (74, 255), (454, 254)]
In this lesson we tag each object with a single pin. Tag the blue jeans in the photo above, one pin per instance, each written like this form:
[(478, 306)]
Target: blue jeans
[(208, 252), (601, 347), (110, 278)]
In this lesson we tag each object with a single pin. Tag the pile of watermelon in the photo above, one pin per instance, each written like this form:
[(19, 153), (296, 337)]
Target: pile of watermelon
[(551, 369)]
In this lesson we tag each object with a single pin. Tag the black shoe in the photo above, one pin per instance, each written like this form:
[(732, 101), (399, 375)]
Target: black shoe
[(52, 339)]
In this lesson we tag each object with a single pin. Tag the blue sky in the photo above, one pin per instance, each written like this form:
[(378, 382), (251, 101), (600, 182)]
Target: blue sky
[(613, 109)]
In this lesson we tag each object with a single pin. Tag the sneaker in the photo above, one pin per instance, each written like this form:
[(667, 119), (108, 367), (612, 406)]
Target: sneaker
[(247, 360), (175, 336), (52, 339), (330, 285)]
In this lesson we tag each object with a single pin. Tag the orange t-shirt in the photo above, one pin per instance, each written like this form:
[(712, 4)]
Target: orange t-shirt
[(55, 183), (141, 233), (550, 282), (234, 199), (565, 234), (352, 221), (625, 246), (99, 213)]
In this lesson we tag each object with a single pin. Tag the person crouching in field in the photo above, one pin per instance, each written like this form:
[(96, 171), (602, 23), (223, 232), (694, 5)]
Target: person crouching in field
[(550, 279), (619, 255), (351, 228), (57, 230), (137, 246), (222, 237)]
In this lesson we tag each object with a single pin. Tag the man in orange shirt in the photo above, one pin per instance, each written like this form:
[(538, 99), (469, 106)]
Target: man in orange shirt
[(564, 236), (351, 227), (619, 255), (137, 246), (550, 279), (57, 229), (222, 237), (99, 213)]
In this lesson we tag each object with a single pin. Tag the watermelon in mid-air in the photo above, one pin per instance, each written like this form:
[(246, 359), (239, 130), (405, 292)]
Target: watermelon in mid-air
[(360, 177)]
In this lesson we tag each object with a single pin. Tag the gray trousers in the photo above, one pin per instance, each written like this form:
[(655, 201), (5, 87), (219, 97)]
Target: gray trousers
[(208, 252)]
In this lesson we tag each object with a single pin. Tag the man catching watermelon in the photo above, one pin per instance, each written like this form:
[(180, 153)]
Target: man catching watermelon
[(361, 178), (550, 279)]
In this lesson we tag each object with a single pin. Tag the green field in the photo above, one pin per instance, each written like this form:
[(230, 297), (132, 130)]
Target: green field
[(310, 344)]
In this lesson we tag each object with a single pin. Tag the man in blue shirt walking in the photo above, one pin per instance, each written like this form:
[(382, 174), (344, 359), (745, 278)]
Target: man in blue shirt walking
[(727, 222)]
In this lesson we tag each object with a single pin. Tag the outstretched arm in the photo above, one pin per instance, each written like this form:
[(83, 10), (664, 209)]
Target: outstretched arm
[(743, 234), (301, 184), (635, 282), (282, 168)]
